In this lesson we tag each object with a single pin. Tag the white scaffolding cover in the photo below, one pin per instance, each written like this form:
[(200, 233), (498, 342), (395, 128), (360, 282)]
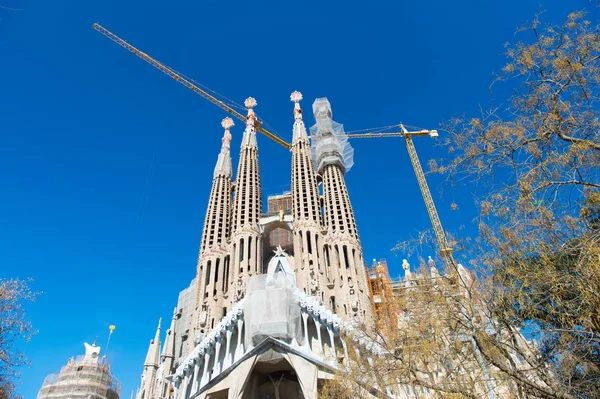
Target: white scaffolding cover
[(329, 142), (271, 309)]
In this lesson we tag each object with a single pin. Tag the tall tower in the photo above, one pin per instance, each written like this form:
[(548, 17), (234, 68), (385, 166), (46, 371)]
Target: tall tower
[(167, 359), (213, 274), (311, 268), (148, 384), (246, 237), (333, 157)]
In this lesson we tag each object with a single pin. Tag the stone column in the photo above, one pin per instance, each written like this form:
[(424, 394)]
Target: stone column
[(205, 373), (195, 380), (332, 343), (186, 381), (318, 326), (239, 350), (217, 365), (176, 384), (306, 343), (227, 360)]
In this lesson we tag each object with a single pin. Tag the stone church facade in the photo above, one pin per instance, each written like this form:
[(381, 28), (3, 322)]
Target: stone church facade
[(274, 291)]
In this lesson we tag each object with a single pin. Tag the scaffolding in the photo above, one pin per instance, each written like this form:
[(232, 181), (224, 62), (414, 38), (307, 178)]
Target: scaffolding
[(382, 294), (329, 142), (84, 377)]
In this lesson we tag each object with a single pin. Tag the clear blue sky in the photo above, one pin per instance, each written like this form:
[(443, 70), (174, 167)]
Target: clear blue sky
[(106, 164)]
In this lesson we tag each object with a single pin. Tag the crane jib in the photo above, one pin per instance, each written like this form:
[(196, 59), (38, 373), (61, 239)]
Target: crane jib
[(445, 249), (180, 79)]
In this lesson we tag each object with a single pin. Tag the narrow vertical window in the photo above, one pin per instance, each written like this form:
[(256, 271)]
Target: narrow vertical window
[(249, 248), (207, 279), (216, 276), (346, 257), (241, 250), (226, 274), (217, 270)]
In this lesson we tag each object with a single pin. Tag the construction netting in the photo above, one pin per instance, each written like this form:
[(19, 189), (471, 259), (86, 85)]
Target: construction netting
[(81, 378), (271, 309), (329, 141)]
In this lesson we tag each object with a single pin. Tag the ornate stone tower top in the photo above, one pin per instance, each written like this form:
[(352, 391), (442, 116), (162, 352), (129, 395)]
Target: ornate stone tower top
[(223, 166), (299, 132), (249, 139), (227, 124), (296, 97)]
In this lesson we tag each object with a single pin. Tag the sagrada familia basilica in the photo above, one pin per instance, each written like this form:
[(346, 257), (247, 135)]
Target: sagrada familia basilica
[(274, 291)]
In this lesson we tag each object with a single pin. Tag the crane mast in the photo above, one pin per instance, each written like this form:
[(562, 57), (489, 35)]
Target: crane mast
[(445, 249), (180, 79)]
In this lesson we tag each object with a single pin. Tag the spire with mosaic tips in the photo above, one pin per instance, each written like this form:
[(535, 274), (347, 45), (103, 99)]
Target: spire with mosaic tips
[(223, 166)]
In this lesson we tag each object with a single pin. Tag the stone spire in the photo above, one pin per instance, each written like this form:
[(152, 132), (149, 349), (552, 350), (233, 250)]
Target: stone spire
[(223, 166), (299, 132), (219, 205), (311, 267), (246, 236), (343, 247), (153, 355), (151, 365), (213, 272), (249, 138), (168, 350), (168, 359)]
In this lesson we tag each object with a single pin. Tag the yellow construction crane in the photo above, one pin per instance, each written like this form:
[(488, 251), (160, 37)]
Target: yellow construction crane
[(445, 249), (181, 79)]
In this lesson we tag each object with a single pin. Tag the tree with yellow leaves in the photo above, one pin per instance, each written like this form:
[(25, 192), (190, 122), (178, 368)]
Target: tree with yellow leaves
[(15, 329), (526, 322)]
